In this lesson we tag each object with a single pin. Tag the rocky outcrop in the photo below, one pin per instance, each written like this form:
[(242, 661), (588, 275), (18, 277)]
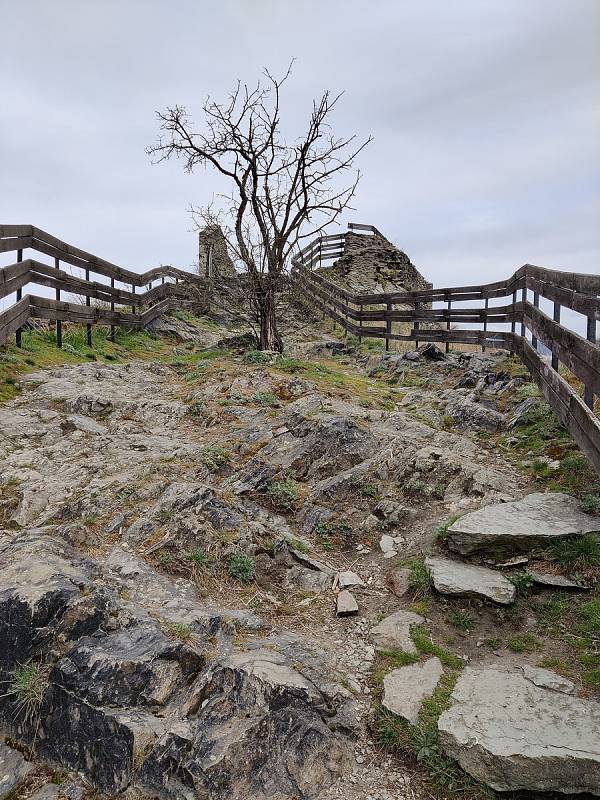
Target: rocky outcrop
[(129, 697), (13, 770), (514, 735), (537, 519), (453, 578)]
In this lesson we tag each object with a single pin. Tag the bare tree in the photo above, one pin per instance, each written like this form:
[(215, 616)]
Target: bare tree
[(281, 193)]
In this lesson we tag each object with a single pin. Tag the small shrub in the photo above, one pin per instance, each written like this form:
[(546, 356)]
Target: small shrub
[(166, 558), (266, 399), (576, 472), (419, 579), (415, 486), (241, 567), (215, 456), (522, 581), (493, 644), (369, 490), (334, 531), (541, 468), (196, 409), (257, 357), (284, 494), (591, 503), (448, 421)]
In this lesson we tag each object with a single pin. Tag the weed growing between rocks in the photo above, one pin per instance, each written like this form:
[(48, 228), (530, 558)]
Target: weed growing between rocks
[(216, 457), (284, 494), (241, 567), (419, 744), (419, 579), (27, 686)]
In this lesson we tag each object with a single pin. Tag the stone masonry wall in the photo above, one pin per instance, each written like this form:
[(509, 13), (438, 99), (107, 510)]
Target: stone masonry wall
[(213, 258)]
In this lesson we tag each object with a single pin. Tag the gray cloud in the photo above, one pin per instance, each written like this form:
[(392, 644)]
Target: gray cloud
[(485, 115)]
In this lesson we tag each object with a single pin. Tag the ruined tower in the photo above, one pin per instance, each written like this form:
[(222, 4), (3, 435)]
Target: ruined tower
[(213, 258)]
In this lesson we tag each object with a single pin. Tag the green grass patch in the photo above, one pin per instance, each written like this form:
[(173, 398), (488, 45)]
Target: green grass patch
[(582, 551), (524, 643), (28, 684), (425, 645), (419, 579), (462, 620)]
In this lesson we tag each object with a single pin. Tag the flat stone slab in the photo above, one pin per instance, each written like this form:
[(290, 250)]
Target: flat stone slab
[(548, 679), (348, 580), (393, 633), (556, 581), (537, 519), (513, 735), (455, 578), (346, 604), (13, 770), (404, 689)]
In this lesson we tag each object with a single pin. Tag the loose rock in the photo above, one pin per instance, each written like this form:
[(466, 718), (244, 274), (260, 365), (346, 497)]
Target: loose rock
[(346, 604), (393, 633), (455, 578), (513, 735), (537, 519), (404, 689)]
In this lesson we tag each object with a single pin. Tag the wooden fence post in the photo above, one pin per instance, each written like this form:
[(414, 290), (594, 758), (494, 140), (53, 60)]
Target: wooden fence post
[(417, 324), (485, 323), (19, 297), (133, 292), (88, 302), (536, 303), (588, 395), (556, 317), (523, 300), (388, 326), (449, 305), (360, 324), (58, 321), (513, 324), (112, 308)]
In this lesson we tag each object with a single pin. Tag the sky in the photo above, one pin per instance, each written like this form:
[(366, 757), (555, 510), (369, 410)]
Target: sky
[(485, 116)]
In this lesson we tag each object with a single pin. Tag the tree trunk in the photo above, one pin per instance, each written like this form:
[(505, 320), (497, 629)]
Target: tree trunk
[(269, 335)]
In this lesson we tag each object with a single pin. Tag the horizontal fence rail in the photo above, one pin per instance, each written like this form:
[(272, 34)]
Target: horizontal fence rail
[(175, 288), (529, 325)]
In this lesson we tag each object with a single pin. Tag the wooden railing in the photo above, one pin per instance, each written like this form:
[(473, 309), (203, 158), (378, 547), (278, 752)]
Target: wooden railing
[(167, 295), (575, 291)]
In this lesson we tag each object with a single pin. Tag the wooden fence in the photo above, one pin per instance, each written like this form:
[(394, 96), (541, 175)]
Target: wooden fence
[(575, 291), (175, 293)]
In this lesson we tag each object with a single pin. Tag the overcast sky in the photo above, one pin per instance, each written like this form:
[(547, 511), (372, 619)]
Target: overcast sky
[(485, 116)]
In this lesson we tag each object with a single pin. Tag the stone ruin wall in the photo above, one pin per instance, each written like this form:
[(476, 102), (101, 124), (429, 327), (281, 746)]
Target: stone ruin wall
[(371, 264), (213, 258)]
